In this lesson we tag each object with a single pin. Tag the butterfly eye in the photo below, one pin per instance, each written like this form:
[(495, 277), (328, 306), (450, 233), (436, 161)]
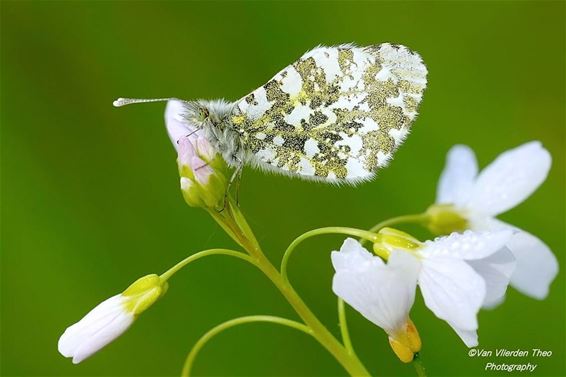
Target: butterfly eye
[(203, 114)]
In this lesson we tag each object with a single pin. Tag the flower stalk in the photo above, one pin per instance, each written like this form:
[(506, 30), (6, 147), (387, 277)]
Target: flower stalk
[(232, 220), (187, 367)]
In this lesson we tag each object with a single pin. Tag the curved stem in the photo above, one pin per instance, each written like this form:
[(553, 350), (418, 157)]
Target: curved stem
[(364, 234), (419, 218), (344, 326), (234, 223), (235, 322), (349, 361), (205, 253)]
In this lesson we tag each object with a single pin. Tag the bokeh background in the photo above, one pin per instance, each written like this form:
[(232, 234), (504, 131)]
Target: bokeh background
[(90, 197)]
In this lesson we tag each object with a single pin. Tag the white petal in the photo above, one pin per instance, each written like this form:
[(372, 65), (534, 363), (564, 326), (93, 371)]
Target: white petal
[(468, 245), (99, 327), (536, 265), (470, 337), (177, 125), (496, 271), (102, 313), (458, 176), (510, 179), (353, 256), (382, 293), (103, 337), (452, 290)]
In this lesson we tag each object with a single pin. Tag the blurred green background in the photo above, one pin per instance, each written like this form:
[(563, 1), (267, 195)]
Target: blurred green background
[(90, 197)]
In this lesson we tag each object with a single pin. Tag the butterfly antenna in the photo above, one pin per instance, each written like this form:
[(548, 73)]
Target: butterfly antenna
[(127, 101)]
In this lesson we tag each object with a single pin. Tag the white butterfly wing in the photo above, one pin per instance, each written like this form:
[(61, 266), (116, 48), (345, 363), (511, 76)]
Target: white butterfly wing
[(337, 114)]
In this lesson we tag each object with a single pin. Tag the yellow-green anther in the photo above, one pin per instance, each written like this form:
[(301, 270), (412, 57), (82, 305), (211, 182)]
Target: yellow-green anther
[(445, 219), (143, 293)]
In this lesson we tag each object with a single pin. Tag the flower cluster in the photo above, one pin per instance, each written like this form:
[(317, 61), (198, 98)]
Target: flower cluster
[(460, 273), (477, 198), (467, 268)]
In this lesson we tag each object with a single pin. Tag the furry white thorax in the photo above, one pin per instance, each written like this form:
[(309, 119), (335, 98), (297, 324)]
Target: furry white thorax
[(212, 117)]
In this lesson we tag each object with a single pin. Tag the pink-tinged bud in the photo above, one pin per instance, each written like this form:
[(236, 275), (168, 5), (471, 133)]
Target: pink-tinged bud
[(185, 151), (203, 173), (201, 170)]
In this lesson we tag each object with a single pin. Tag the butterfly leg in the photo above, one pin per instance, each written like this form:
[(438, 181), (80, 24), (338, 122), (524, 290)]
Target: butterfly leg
[(189, 134), (238, 187), (235, 179)]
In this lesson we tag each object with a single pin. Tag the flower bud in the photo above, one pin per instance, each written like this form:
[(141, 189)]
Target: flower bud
[(203, 172), (445, 219), (110, 319), (389, 239)]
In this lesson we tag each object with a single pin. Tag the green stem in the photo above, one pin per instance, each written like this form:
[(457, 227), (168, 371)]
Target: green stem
[(364, 234), (349, 361), (341, 310), (419, 218), (235, 322), (234, 222), (235, 225), (419, 367), (191, 258), (344, 326)]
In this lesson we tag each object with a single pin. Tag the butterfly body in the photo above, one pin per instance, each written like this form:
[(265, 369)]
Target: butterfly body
[(213, 120), (335, 115)]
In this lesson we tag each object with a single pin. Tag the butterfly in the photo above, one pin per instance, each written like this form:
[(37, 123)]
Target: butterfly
[(335, 115)]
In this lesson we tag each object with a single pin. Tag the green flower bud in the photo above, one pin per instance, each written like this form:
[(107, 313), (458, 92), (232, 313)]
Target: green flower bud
[(389, 239)]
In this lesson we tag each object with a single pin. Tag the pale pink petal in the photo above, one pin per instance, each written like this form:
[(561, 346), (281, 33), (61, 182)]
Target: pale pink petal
[(185, 150), (176, 122), (201, 170)]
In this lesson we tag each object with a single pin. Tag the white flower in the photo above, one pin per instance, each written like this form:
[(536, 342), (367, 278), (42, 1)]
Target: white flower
[(383, 293), (110, 319), (478, 198), (452, 288)]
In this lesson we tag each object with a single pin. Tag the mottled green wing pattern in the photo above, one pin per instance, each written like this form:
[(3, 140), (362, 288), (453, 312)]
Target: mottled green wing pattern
[(337, 114)]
